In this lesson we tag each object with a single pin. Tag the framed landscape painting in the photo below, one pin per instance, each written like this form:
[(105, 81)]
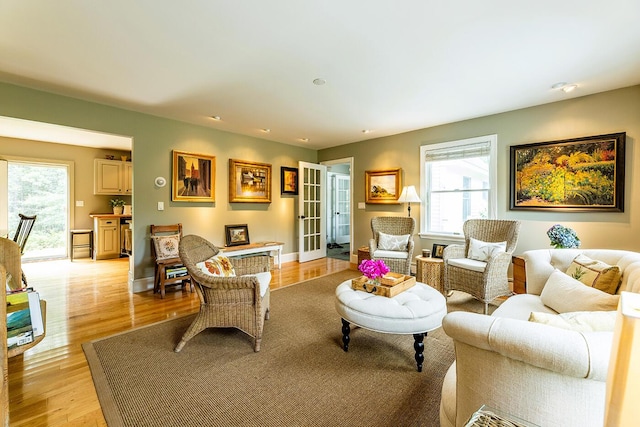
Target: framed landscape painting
[(236, 234), (249, 182), (581, 174), (382, 186), (193, 177)]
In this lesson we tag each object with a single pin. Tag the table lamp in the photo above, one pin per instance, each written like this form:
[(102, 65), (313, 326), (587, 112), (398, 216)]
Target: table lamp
[(409, 195), (623, 380)]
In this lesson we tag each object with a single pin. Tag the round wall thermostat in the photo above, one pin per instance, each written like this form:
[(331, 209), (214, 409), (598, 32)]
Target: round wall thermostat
[(161, 182)]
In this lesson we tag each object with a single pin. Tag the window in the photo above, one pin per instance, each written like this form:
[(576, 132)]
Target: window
[(458, 182)]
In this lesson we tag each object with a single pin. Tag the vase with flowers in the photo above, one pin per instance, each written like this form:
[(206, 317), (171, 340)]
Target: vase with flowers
[(373, 270), (562, 237)]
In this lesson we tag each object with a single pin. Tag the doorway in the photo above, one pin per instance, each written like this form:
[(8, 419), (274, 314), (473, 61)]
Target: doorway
[(339, 208)]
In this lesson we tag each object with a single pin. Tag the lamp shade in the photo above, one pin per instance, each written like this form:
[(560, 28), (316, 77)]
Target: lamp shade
[(409, 195), (623, 385)]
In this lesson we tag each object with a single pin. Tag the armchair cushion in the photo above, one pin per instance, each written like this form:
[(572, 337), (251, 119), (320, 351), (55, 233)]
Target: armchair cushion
[(389, 242), (390, 254), (597, 274), (264, 278), (469, 264), (482, 251), (166, 246), (583, 321), (217, 265), (563, 293)]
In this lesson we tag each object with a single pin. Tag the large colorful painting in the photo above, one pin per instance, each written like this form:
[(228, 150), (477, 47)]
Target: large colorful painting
[(193, 178), (582, 174)]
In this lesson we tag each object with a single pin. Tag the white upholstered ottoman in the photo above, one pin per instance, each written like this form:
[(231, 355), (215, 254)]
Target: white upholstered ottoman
[(417, 311)]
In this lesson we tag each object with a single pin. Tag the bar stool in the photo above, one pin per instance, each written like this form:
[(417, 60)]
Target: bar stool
[(74, 245)]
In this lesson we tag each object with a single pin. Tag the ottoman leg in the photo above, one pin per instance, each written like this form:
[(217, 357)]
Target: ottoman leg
[(345, 335), (418, 346)]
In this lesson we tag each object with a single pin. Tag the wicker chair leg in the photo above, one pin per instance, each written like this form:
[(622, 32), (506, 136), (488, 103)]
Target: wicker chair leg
[(193, 330)]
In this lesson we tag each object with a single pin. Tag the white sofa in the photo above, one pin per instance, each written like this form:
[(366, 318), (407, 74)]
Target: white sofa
[(546, 375)]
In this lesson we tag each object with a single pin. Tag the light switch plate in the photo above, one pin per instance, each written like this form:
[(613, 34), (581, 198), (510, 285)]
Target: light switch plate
[(361, 205), (79, 203), (160, 206)]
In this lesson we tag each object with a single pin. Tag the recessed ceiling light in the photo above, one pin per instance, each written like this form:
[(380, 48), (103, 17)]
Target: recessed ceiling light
[(569, 88), (565, 87), (216, 118), (319, 81), (366, 130), (558, 85), (266, 130), (304, 139)]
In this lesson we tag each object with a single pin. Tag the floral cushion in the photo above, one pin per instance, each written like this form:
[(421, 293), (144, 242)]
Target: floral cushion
[(596, 274), (390, 242), (218, 266), (166, 246), (482, 251)]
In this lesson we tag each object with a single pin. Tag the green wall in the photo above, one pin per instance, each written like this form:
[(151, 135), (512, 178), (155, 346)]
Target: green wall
[(153, 140), (603, 113)]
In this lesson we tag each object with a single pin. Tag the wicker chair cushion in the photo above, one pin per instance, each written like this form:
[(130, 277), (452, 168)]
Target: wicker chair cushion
[(563, 293), (482, 251), (583, 321), (166, 246), (468, 264), (390, 254), (265, 279), (390, 242), (218, 266), (596, 274)]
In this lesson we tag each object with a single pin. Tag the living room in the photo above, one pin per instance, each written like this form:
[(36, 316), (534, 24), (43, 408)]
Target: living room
[(578, 114)]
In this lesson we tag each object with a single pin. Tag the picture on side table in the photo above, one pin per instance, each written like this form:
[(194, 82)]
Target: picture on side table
[(193, 177), (249, 182), (382, 186), (236, 234), (580, 174), (438, 250)]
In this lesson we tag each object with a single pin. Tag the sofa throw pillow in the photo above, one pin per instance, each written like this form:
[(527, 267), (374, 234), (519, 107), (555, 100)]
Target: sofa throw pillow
[(390, 242), (482, 251), (582, 321), (596, 274), (564, 294), (218, 266), (166, 246)]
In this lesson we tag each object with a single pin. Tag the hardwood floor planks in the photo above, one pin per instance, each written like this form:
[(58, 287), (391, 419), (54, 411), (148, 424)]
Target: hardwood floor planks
[(50, 384)]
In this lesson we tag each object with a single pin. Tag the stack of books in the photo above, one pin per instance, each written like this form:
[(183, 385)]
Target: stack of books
[(24, 317), (176, 271)]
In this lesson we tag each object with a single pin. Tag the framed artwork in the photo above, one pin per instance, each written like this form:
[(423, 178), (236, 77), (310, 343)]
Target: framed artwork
[(236, 234), (193, 177), (249, 182), (288, 180), (438, 250), (581, 174), (382, 186)]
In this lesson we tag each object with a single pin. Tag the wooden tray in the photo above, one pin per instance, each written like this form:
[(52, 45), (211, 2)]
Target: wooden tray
[(362, 284)]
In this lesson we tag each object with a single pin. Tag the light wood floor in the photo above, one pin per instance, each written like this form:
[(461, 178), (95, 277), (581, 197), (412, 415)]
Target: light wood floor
[(50, 385)]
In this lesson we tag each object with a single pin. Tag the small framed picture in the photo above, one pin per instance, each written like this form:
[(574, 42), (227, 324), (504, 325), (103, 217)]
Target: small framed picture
[(438, 250), (288, 180), (236, 234)]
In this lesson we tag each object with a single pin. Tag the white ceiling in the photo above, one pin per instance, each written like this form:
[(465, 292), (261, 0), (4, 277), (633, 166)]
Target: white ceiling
[(389, 66)]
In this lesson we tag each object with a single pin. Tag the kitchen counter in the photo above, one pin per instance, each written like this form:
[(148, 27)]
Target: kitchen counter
[(112, 235)]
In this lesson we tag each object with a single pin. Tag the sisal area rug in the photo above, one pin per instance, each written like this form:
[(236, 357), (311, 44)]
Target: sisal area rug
[(300, 377)]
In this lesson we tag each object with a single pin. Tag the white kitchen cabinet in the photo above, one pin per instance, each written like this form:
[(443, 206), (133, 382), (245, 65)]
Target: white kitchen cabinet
[(107, 231), (113, 177)]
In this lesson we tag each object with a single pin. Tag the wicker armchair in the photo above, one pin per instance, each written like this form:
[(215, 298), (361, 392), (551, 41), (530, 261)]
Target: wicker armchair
[(484, 280), (398, 261), (11, 258), (227, 301)]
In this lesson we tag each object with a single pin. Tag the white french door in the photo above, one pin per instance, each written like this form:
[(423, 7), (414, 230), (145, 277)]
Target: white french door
[(312, 223), (342, 208)]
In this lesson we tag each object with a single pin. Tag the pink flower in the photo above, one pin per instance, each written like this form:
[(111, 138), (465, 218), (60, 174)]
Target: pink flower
[(373, 269)]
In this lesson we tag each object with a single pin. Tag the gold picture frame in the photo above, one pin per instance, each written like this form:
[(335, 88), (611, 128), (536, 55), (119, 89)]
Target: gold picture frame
[(383, 186), (249, 182), (193, 177)]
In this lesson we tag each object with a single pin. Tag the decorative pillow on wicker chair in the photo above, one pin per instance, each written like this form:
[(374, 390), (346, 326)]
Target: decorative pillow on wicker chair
[(564, 294), (596, 274), (166, 246), (582, 321), (390, 242), (218, 266), (482, 251)]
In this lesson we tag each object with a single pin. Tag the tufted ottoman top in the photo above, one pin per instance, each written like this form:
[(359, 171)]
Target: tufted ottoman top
[(418, 309)]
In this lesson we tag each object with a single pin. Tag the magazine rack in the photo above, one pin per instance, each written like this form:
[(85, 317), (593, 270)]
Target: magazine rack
[(22, 348)]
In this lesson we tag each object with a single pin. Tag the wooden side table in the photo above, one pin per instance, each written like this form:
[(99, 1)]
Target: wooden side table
[(519, 275), (430, 271)]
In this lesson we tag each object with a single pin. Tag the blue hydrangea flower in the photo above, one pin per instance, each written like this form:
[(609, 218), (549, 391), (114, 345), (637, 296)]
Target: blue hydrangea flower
[(563, 237)]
